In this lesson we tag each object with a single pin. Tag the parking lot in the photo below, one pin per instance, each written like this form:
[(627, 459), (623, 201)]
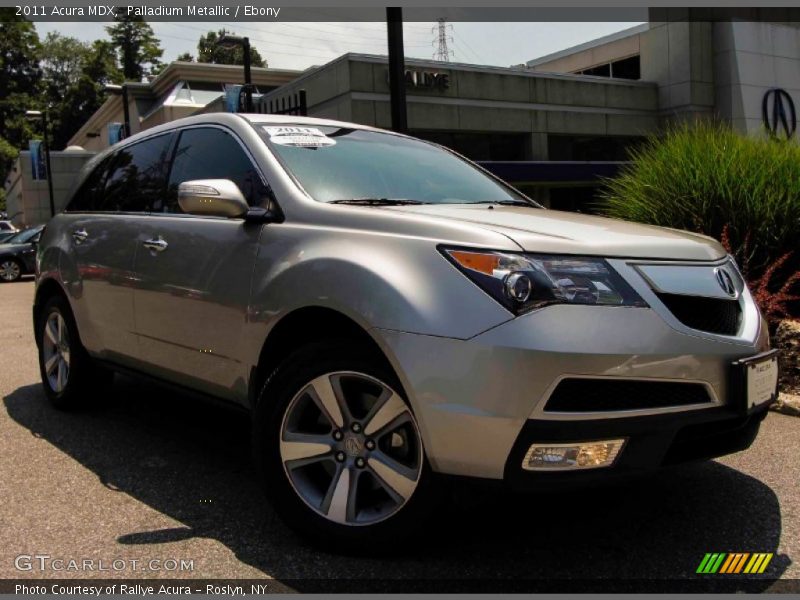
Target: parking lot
[(151, 475)]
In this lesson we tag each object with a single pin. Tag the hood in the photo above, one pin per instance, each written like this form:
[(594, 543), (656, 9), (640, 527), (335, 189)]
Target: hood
[(554, 231), (14, 248)]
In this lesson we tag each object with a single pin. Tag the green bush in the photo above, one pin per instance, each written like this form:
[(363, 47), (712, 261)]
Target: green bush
[(704, 177)]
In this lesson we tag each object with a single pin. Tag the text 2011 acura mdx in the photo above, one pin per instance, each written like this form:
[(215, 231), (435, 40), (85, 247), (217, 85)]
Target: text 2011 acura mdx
[(391, 313)]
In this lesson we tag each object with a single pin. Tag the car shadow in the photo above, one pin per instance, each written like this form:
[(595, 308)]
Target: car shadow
[(191, 461)]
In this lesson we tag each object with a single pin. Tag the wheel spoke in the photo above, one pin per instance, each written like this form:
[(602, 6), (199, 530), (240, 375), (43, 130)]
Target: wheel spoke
[(61, 333), (384, 413), (65, 356), (51, 332), (51, 363), (298, 446), (61, 380), (337, 509), (327, 400), (394, 476)]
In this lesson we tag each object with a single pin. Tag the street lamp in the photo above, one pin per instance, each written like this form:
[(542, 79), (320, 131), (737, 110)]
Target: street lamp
[(232, 41), (121, 90), (35, 115)]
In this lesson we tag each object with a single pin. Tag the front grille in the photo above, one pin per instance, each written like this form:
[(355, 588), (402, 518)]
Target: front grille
[(713, 315), (604, 395)]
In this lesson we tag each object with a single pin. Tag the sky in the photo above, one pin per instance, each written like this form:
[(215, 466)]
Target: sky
[(301, 45)]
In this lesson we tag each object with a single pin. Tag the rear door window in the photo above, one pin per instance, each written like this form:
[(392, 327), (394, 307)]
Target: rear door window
[(212, 153), (90, 194), (136, 178)]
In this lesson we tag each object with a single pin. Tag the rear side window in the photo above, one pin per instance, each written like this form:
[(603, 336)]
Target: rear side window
[(211, 153), (135, 180), (90, 194)]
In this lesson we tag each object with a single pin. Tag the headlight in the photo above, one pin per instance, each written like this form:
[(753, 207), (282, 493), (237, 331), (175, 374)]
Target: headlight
[(522, 282)]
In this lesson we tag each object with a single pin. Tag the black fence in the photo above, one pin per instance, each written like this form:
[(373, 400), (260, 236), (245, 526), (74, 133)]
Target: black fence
[(291, 104)]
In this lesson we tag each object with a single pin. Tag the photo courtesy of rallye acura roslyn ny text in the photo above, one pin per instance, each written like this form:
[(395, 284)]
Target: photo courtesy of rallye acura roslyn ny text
[(391, 314)]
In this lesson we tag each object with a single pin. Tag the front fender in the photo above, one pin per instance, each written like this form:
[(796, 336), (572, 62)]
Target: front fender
[(379, 280)]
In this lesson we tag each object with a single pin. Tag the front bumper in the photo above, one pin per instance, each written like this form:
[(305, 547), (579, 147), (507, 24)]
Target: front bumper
[(476, 399), (651, 442)]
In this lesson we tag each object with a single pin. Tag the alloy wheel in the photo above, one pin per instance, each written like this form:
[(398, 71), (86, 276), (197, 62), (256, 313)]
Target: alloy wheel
[(351, 448), (56, 352), (9, 270)]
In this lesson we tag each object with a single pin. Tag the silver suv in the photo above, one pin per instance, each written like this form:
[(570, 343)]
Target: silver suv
[(392, 314)]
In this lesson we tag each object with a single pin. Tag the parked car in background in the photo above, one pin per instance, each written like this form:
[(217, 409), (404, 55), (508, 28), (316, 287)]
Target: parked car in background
[(18, 254), (392, 314), (7, 227)]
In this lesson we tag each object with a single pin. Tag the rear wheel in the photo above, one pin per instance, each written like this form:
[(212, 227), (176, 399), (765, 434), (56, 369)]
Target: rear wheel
[(340, 451), (10, 270), (69, 376)]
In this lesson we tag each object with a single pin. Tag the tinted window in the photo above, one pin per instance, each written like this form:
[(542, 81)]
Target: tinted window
[(135, 179), (210, 153), (90, 194), (348, 164)]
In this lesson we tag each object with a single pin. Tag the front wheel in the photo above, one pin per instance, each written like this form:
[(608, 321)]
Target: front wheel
[(69, 376), (340, 451)]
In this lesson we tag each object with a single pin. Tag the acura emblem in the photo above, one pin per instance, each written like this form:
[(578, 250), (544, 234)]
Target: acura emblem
[(777, 112), (725, 281)]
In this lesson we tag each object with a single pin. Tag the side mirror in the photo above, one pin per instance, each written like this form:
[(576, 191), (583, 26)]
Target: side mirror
[(212, 197)]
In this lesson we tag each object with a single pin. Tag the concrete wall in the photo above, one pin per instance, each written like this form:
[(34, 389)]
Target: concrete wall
[(31, 198), (355, 88), (678, 57), (749, 59)]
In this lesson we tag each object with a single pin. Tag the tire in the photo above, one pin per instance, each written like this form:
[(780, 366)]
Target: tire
[(308, 487), (10, 270), (70, 378)]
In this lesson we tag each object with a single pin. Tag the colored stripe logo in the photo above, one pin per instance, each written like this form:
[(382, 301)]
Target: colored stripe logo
[(734, 563)]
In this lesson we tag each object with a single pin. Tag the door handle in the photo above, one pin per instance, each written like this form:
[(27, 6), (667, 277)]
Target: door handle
[(156, 245), (79, 235)]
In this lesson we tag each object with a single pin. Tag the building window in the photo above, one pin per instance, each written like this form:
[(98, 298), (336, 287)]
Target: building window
[(599, 148), (627, 68), (624, 68), (479, 146)]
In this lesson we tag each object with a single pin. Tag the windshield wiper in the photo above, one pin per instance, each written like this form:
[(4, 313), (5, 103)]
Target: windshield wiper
[(507, 203), (377, 201)]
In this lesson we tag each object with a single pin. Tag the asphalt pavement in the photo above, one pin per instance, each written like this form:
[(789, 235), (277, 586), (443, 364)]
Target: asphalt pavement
[(151, 475)]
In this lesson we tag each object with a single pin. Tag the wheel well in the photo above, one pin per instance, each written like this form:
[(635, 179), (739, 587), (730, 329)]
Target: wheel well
[(46, 290), (305, 326)]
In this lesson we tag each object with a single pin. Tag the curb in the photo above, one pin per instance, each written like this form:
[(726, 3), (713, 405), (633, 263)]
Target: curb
[(787, 404)]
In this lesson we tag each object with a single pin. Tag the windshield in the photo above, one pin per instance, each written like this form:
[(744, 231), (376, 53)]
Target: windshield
[(335, 164)]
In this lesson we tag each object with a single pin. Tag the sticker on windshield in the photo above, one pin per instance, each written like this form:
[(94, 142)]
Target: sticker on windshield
[(303, 137)]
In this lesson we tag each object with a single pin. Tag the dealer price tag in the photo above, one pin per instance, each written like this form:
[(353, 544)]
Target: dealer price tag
[(304, 137)]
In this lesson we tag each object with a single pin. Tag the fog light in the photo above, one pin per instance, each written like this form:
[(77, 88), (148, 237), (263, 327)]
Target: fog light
[(580, 455)]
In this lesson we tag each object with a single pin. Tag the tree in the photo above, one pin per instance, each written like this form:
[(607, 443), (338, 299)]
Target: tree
[(209, 52), (19, 84), (138, 48), (62, 59), (185, 57), (98, 67)]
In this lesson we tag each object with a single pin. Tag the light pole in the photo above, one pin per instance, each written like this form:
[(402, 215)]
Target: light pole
[(231, 41), (122, 90), (397, 69), (35, 115)]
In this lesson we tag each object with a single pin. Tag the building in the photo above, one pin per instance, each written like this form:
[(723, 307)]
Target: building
[(721, 69), (180, 90), (553, 126), (28, 199)]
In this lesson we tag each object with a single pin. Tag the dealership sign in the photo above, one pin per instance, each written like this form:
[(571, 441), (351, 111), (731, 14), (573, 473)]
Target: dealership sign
[(425, 80), (778, 113)]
